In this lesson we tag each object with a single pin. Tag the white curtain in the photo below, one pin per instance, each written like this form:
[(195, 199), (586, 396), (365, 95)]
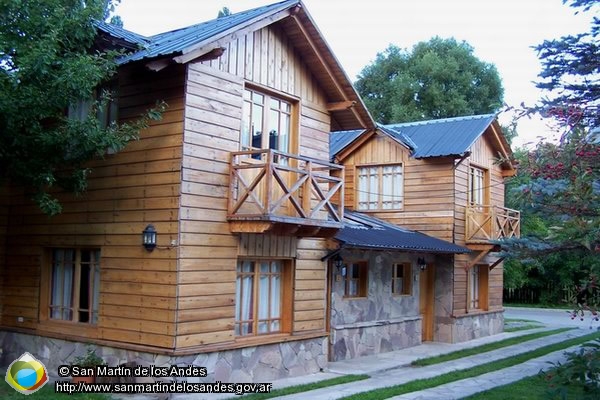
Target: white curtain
[(63, 272)]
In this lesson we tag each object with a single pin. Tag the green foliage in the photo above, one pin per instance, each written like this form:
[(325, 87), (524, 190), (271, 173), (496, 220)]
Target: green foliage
[(579, 374), (440, 78), (48, 63), (224, 12), (89, 359), (558, 185)]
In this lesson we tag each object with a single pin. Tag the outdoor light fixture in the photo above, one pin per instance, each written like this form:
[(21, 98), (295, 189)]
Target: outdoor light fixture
[(421, 263), (339, 265), (149, 237)]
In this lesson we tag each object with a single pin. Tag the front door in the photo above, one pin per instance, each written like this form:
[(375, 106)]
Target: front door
[(426, 300)]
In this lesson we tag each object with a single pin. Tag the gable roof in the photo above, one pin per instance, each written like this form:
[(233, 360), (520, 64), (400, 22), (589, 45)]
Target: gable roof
[(184, 40), (365, 232), (133, 39), (209, 38), (443, 137), (448, 137), (340, 140)]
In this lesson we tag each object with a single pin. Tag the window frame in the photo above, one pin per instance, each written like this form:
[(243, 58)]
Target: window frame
[(107, 113), (269, 94), (407, 286), (482, 177), (362, 279), (380, 188), (478, 287), (285, 298), (94, 281)]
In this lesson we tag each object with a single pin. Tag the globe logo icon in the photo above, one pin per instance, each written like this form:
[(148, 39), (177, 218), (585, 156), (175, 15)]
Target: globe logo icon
[(26, 374)]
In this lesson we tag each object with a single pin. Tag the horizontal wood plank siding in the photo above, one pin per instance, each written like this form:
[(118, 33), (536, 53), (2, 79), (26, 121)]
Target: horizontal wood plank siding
[(208, 251), (482, 156), (428, 187), (135, 187)]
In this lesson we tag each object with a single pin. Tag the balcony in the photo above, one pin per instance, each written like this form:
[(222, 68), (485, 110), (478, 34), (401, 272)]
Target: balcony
[(285, 194), (485, 223)]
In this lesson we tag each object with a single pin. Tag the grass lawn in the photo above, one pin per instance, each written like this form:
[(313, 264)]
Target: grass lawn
[(554, 306), (422, 384), (532, 388), (485, 348), (305, 388), (513, 325), (45, 393)]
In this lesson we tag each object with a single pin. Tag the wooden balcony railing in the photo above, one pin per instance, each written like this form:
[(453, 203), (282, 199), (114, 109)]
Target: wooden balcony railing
[(272, 191), (485, 223)]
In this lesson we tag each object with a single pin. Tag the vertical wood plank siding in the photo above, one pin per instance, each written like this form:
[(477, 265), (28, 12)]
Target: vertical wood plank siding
[(208, 251), (127, 191)]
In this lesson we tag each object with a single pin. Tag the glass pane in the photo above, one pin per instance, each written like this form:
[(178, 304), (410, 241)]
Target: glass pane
[(355, 271), (274, 104), (258, 98), (284, 133), (247, 94), (373, 188), (84, 291), (273, 130), (275, 296), (277, 266), (96, 288), (263, 327), (257, 126), (275, 326), (263, 293), (246, 127), (247, 297), (352, 288), (398, 286), (264, 267), (363, 187)]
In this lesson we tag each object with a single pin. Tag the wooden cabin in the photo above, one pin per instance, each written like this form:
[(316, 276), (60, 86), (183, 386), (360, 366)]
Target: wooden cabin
[(444, 178), (236, 182)]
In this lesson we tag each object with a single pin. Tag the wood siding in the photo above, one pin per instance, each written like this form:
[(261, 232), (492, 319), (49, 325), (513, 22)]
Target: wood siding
[(208, 250), (428, 187), (127, 191), (482, 156)]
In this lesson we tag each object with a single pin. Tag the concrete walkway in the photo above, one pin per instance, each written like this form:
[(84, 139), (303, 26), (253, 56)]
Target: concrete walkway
[(387, 375), (394, 368)]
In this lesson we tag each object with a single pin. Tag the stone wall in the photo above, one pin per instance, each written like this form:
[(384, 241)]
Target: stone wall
[(473, 326), (251, 364), (379, 322)]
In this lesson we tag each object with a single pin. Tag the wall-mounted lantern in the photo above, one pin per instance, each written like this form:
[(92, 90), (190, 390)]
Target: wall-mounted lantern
[(338, 262), (149, 237), (421, 263)]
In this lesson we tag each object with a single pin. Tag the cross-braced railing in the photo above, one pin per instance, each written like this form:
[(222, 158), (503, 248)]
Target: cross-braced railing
[(272, 185), (485, 223)]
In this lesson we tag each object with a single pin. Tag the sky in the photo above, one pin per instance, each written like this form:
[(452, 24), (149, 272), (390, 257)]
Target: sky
[(500, 31)]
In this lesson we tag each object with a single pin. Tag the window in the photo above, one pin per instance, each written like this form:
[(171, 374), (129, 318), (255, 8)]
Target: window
[(401, 279), (476, 186), (478, 283), (266, 122), (75, 285), (380, 187), (262, 297), (356, 280), (107, 110)]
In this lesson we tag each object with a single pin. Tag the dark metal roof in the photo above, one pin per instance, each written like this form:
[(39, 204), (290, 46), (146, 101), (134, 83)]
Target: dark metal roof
[(176, 41), (365, 232), (121, 33), (443, 137), (339, 140)]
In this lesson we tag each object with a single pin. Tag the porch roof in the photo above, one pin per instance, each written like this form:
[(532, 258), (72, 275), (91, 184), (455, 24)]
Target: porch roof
[(363, 231)]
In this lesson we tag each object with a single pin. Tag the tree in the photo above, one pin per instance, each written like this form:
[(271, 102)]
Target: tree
[(224, 12), (563, 179), (48, 63), (440, 78)]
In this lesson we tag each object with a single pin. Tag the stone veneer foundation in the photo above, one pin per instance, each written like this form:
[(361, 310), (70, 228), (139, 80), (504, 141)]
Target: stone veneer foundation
[(264, 363), (472, 326)]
